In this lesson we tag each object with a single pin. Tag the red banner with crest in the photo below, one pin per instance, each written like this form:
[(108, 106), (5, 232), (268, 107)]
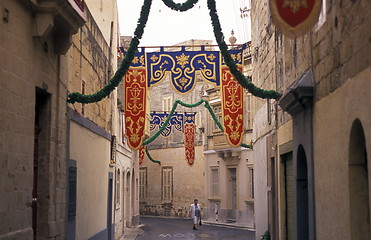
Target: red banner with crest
[(232, 107), (295, 17), (135, 102), (189, 142)]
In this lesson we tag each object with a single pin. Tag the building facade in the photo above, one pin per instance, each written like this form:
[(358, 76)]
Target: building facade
[(229, 171), (92, 130), (33, 114), (67, 173), (170, 188), (313, 143), (126, 169)]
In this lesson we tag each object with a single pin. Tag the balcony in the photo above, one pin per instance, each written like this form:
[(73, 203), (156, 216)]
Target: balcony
[(59, 19)]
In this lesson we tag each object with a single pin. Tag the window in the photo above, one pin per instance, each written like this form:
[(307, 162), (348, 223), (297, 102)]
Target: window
[(167, 183), (142, 184), (167, 104), (118, 177), (214, 182), (251, 183)]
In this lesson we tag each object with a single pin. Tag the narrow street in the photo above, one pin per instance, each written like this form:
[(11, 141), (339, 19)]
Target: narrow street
[(165, 228)]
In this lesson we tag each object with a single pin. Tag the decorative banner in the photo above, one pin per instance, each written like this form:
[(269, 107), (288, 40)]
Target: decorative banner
[(189, 137), (142, 150), (183, 67), (135, 101), (158, 119), (295, 17), (232, 102)]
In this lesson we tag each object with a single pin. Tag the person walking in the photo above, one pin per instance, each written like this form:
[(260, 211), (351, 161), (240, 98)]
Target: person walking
[(195, 211)]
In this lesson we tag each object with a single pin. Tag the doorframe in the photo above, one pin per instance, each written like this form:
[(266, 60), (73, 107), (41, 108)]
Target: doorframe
[(231, 214)]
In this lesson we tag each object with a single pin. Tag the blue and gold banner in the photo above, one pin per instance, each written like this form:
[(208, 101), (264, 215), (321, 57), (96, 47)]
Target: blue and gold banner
[(158, 119), (183, 67), (177, 121)]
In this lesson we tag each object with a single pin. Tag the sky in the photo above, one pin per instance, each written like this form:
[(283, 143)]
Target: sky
[(166, 27)]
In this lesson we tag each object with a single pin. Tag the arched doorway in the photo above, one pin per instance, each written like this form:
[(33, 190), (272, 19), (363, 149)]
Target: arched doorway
[(302, 195), (359, 200)]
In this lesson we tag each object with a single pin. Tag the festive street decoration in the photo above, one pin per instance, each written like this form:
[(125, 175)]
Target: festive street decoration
[(182, 67), (166, 122), (115, 80), (232, 103), (175, 105), (157, 120), (177, 121), (243, 80), (150, 157), (125, 64), (295, 17), (189, 137), (180, 6), (135, 102)]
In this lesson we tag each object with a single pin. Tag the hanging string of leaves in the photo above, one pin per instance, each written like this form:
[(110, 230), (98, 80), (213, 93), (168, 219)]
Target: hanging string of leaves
[(182, 7), (115, 80), (164, 125), (244, 81), (121, 71), (151, 158), (175, 105)]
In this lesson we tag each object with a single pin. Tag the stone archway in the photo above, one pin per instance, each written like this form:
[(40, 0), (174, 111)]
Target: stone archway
[(359, 195), (302, 216)]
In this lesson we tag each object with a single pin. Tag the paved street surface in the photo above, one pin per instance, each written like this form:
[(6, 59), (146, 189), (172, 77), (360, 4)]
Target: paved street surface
[(166, 228)]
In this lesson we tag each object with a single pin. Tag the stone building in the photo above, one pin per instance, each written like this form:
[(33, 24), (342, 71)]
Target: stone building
[(61, 169), (311, 146), (229, 171), (184, 182), (126, 169), (93, 128), (34, 40)]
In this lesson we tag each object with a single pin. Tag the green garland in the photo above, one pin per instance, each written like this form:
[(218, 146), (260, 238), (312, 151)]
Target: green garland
[(246, 145), (121, 71), (125, 65), (150, 158), (207, 105), (245, 83), (182, 7), (164, 125), (175, 105)]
